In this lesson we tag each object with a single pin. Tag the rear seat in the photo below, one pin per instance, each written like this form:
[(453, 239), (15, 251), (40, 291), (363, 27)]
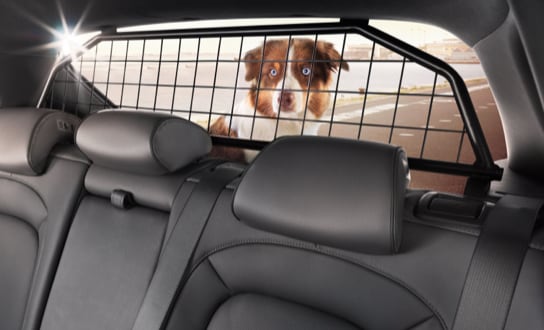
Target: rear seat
[(310, 239), (305, 242), (41, 177), (139, 164), (318, 234)]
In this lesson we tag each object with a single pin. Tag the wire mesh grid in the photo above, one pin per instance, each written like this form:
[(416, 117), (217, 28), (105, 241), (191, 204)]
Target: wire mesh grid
[(259, 87)]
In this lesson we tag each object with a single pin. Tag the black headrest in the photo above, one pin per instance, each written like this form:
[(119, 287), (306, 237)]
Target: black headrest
[(27, 136), (339, 193), (141, 142)]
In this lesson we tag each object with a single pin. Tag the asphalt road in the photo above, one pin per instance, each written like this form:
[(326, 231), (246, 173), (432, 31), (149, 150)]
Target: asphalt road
[(412, 113)]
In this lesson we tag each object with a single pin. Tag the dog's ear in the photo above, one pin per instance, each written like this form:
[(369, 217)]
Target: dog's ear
[(326, 51), (252, 61)]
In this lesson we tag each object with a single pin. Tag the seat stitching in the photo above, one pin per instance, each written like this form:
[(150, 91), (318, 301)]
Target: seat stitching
[(219, 277), (324, 251), (420, 322)]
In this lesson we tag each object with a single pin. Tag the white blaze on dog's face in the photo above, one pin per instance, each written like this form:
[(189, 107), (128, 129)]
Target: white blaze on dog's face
[(287, 79)]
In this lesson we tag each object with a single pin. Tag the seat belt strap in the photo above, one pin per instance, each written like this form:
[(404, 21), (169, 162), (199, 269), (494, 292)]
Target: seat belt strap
[(174, 262), (496, 263)]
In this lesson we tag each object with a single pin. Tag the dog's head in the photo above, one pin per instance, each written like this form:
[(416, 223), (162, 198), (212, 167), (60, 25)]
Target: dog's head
[(288, 76)]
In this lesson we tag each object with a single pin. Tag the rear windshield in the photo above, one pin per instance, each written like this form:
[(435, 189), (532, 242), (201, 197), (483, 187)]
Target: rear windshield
[(258, 86)]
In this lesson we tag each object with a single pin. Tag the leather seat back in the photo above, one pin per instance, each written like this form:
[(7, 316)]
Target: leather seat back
[(286, 248), (41, 177), (140, 162)]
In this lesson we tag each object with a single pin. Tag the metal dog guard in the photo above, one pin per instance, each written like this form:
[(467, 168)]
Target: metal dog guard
[(75, 86)]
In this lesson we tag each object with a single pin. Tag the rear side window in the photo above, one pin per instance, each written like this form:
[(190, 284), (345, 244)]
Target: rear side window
[(463, 59), (252, 85)]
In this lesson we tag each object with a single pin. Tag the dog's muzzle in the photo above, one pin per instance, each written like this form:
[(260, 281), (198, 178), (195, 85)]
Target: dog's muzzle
[(287, 101)]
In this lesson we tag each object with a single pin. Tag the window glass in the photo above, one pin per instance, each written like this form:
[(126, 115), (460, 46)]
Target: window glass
[(260, 87)]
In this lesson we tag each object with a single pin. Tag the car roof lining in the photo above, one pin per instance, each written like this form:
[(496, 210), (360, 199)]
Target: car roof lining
[(471, 20)]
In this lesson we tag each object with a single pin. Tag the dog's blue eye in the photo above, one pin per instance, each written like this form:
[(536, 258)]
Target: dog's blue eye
[(306, 71), (273, 72)]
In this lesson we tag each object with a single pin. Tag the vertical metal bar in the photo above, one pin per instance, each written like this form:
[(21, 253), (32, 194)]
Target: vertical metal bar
[(92, 81), (78, 85), (65, 88), (194, 79), (283, 83), (258, 88), (236, 85), (141, 73), (214, 82), (428, 117), (158, 77), (108, 78), (397, 100), (124, 75), (176, 79), (312, 65), (52, 91), (460, 144), (337, 84), (366, 90)]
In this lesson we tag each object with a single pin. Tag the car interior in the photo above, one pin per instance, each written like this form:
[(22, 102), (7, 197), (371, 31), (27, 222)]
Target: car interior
[(236, 177)]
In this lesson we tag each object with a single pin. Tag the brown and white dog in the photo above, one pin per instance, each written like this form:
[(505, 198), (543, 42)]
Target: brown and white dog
[(286, 84)]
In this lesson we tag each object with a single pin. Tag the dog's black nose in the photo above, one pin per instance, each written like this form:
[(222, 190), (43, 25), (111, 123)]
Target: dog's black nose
[(286, 98)]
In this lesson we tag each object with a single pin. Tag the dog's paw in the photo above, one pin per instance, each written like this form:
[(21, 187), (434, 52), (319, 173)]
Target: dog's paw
[(220, 128)]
